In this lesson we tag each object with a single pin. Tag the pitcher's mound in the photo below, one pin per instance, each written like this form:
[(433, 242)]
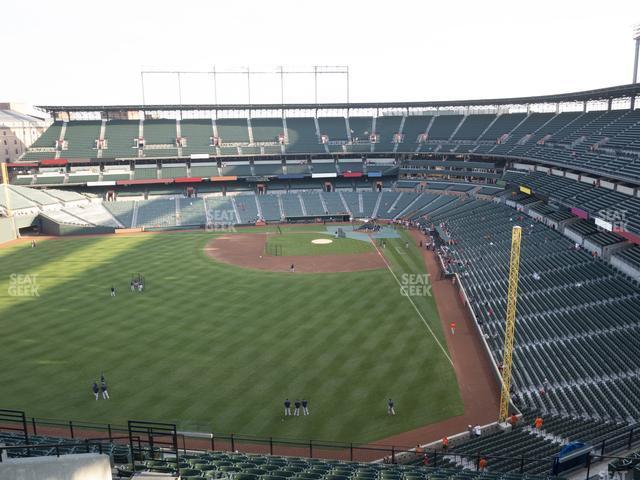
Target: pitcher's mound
[(322, 241)]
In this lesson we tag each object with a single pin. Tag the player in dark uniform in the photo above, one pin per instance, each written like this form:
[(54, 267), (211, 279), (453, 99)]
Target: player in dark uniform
[(296, 412), (305, 410), (287, 408), (103, 388), (390, 409), (95, 389)]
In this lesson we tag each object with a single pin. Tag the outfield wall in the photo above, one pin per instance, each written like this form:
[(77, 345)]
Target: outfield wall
[(7, 232), (49, 226)]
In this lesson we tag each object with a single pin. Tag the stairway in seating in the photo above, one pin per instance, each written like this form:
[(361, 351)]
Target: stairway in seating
[(207, 213), (178, 212), (179, 135), (408, 207), (258, 206), (324, 204), (464, 117), (344, 204), (235, 210), (302, 205), (103, 128), (375, 209), (250, 130), (373, 130), (63, 131), (134, 216), (285, 131), (360, 202), (393, 205), (395, 147), (281, 206), (495, 119)]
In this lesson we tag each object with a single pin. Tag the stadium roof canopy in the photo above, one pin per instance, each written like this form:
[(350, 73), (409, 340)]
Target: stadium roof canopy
[(601, 94)]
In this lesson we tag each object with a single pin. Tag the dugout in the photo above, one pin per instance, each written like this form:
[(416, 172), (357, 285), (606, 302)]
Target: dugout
[(317, 218)]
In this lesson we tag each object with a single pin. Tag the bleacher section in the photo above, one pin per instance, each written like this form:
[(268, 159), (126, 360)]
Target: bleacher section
[(250, 466), (120, 136), (596, 201), (198, 134), (81, 139), (302, 136), (160, 138), (573, 311), (156, 213), (602, 142), (233, 131)]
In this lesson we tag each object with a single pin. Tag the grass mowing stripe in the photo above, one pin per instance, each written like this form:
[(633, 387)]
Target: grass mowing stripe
[(215, 346), (415, 307)]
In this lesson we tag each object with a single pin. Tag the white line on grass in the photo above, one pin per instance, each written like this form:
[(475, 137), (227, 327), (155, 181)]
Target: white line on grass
[(444, 350)]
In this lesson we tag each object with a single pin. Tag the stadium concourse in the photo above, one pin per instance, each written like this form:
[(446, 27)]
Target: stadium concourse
[(564, 168)]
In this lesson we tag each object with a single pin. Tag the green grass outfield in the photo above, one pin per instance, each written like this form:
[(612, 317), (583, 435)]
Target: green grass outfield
[(215, 347), (299, 243)]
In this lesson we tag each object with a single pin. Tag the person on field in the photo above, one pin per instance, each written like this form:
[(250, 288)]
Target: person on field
[(133, 286), (453, 328), (293, 268), (95, 389), (105, 392), (296, 411), (305, 410), (33, 244), (390, 409), (287, 408), (113, 291)]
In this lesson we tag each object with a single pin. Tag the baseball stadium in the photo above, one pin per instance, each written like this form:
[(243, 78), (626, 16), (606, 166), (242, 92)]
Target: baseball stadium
[(428, 290)]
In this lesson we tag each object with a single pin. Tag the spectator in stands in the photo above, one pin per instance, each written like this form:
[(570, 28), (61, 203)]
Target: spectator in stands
[(477, 431), (305, 410), (390, 409), (296, 411), (287, 408), (470, 430), (113, 291), (538, 423), (513, 420), (425, 460), (95, 389), (445, 443), (482, 464)]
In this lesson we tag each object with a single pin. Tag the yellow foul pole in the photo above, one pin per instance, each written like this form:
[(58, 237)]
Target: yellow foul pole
[(510, 327)]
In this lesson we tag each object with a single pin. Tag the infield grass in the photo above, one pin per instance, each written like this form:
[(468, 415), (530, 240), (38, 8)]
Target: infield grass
[(293, 244), (214, 347)]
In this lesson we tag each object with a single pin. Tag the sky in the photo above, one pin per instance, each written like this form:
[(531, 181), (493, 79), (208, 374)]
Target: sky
[(91, 53)]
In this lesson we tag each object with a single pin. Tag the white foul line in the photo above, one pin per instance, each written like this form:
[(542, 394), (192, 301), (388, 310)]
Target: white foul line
[(444, 350)]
